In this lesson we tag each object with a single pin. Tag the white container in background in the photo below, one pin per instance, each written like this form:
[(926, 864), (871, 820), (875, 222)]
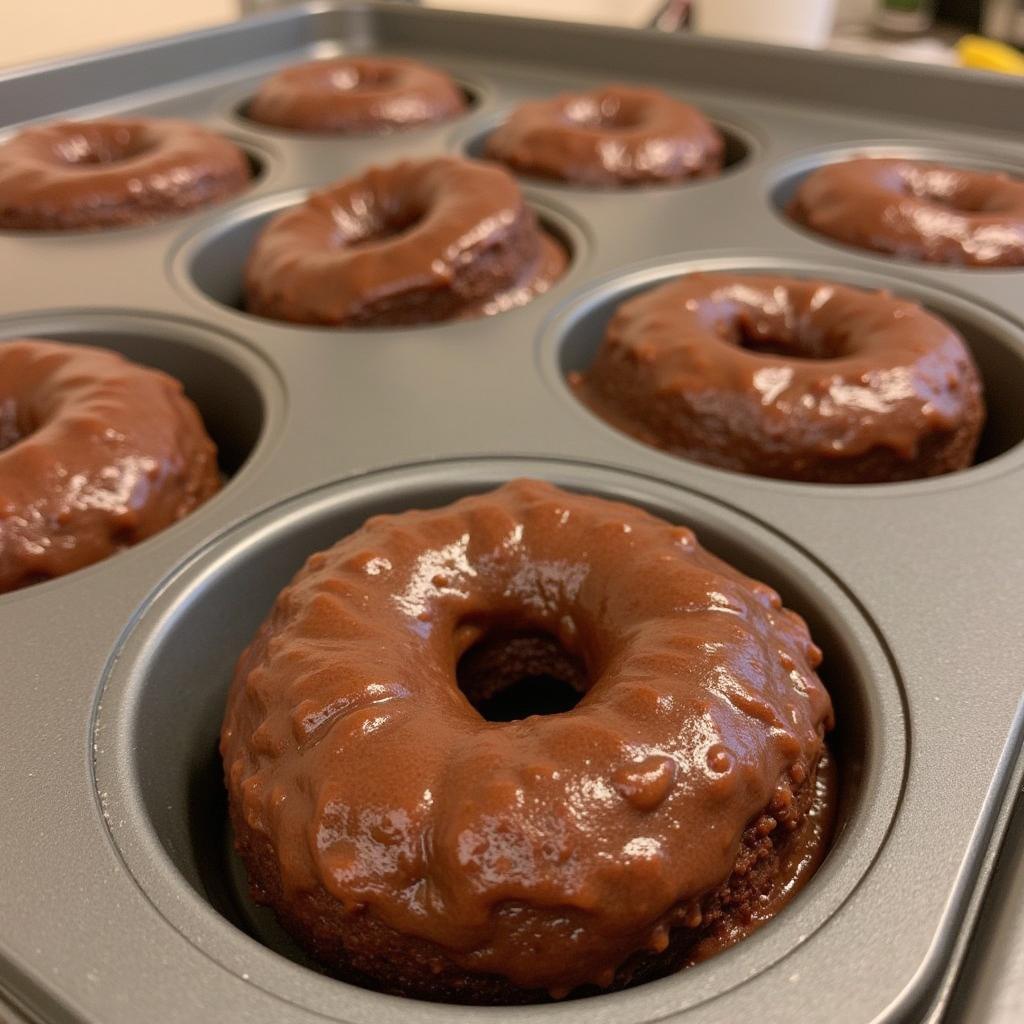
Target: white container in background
[(788, 22), (628, 13), (855, 11)]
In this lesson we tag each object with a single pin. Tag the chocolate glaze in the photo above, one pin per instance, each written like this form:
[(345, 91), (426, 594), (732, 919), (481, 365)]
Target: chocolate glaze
[(415, 242), (411, 844), (356, 95), (96, 454), (802, 380), (616, 135), (917, 210), (79, 175)]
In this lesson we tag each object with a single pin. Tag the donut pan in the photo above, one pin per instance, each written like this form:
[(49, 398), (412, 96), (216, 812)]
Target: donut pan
[(119, 897)]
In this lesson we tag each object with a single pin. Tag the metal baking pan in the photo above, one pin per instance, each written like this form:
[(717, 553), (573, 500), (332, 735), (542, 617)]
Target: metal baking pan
[(120, 901), (990, 986)]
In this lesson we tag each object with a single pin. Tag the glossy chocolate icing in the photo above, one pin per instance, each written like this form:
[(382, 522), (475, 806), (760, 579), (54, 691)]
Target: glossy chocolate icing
[(356, 95), (782, 377), (616, 135), (916, 210), (78, 175), (410, 843), (96, 454), (415, 242)]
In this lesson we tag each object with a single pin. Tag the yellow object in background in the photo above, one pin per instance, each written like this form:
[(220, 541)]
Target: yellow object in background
[(989, 55)]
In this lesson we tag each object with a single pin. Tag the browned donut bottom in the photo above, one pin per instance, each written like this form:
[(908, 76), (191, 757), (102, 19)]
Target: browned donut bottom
[(418, 242), (356, 95), (78, 175), (414, 845), (617, 135), (788, 378), (917, 210), (96, 454)]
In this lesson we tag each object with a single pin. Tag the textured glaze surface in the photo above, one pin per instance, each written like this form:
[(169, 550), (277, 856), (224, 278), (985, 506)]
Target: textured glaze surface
[(415, 242), (918, 210), (783, 377), (356, 95), (96, 454), (76, 175), (615, 135), (546, 851)]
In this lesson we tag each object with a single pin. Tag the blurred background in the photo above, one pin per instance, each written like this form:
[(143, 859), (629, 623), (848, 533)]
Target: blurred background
[(905, 29)]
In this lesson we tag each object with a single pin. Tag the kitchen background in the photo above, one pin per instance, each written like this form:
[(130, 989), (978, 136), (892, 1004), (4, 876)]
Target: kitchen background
[(50, 28)]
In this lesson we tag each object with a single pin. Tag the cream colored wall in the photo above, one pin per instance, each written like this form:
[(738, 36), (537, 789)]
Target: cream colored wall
[(36, 29)]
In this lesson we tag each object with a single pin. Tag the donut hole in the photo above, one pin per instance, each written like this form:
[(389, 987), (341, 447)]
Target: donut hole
[(756, 336), (508, 673), (377, 225), (606, 114), (103, 144)]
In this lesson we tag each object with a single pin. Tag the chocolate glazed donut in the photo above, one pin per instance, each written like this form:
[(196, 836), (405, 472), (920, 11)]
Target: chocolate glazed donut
[(916, 210), (413, 243), (85, 175), (96, 454), (414, 846), (356, 95), (801, 380), (617, 135)]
